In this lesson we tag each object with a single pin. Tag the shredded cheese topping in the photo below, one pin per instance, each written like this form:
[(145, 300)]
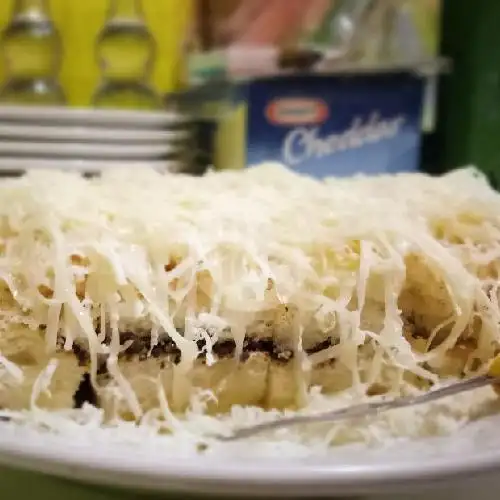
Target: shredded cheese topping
[(208, 255)]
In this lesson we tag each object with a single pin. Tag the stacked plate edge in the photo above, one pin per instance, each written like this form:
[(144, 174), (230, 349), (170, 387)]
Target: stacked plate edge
[(90, 140)]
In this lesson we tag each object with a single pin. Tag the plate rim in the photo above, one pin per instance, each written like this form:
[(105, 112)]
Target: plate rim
[(81, 165), (92, 115), (86, 134), (188, 475), (72, 149)]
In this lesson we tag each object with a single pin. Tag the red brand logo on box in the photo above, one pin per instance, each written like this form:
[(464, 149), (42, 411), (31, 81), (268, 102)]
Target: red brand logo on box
[(296, 111)]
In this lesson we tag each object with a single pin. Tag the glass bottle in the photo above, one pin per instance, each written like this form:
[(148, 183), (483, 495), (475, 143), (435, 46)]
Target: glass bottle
[(125, 52), (31, 49)]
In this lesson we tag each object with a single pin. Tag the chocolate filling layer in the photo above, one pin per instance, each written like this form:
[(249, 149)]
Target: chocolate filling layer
[(85, 393), (140, 346)]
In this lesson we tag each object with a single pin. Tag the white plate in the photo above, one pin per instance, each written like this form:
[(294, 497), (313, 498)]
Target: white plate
[(107, 458), (88, 165), (90, 134), (84, 150), (89, 116)]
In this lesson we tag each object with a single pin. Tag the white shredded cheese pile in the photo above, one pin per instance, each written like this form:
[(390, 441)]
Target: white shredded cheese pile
[(216, 250)]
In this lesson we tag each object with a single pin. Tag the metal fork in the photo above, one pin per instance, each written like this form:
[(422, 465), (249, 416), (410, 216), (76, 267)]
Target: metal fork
[(364, 409)]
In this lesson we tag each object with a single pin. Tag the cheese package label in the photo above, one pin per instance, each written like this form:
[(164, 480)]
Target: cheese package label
[(324, 125)]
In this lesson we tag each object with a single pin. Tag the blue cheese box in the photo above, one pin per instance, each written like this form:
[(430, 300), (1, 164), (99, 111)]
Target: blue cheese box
[(322, 125), (336, 125)]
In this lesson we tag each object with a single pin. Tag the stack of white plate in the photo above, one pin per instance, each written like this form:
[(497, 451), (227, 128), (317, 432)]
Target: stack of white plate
[(89, 140)]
